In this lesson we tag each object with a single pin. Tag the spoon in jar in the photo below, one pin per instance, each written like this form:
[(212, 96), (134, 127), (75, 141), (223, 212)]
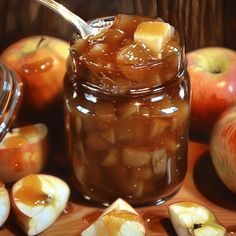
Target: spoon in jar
[(81, 26)]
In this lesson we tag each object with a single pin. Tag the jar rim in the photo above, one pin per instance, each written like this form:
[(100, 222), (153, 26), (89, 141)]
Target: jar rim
[(10, 97), (135, 92)]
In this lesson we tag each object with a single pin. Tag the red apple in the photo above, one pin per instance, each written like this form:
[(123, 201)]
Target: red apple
[(23, 151), (40, 61), (223, 147), (212, 72)]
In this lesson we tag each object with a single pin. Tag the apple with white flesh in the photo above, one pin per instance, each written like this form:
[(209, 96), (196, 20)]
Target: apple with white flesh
[(191, 218), (212, 72), (40, 61), (38, 200), (23, 151), (119, 219), (223, 147), (4, 204)]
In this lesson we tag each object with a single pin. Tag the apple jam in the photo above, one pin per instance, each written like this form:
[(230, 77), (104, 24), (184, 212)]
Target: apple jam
[(127, 111)]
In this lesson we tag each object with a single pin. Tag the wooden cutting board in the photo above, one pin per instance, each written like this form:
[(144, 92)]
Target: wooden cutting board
[(201, 185)]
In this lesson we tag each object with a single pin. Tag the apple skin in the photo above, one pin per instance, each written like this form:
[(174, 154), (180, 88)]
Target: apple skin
[(223, 147), (212, 72), (40, 61)]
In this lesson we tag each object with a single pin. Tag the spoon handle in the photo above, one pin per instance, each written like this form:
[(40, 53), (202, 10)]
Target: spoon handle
[(84, 28)]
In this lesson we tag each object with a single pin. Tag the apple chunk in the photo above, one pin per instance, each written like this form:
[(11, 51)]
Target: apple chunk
[(38, 200), (154, 35), (23, 151), (119, 219), (4, 204), (190, 218)]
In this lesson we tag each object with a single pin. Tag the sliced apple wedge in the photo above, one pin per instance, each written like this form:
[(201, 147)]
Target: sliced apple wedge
[(119, 219), (153, 34), (190, 218), (38, 200), (23, 151), (4, 204)]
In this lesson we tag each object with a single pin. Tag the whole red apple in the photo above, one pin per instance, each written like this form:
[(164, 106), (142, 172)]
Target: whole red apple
[(40, 61), (212, 72), (223, 147)]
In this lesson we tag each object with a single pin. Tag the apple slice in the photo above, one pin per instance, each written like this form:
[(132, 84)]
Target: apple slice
[(153, 34), (119, 219), (4, 204), (190, 218), (38, 200), (23, 151)]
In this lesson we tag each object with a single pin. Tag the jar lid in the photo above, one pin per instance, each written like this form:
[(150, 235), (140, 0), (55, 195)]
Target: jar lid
[(10, 97)]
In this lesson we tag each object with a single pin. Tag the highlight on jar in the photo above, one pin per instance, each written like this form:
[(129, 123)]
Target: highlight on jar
[(126, 94)]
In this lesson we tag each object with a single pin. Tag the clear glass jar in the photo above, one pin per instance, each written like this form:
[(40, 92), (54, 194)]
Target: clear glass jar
[(127, 139), (10, 98)]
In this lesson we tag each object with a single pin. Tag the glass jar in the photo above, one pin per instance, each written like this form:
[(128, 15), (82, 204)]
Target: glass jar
[(10, 98), (127, 139)]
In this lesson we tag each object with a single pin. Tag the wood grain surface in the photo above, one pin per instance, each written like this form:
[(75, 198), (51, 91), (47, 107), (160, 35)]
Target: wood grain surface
[(200, 185)]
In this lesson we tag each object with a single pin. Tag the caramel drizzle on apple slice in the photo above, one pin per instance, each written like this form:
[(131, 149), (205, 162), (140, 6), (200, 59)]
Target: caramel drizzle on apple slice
[(31, 192), (15, 141), (113, 226)]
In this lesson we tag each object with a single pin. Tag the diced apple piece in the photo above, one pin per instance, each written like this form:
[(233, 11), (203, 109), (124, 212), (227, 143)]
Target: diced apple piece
[(190, 218), (23, 151), (159, 162), (38, 200), (96, 142), (158, 126), (133, 156), (112, 158), (129, 109), (4, 204), (98, 50), (134, 54), (154, 35), (119, 219)]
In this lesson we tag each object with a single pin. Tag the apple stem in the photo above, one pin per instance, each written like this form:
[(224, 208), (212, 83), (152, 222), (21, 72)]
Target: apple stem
[(217, 71), (40, 41), (196, 226)]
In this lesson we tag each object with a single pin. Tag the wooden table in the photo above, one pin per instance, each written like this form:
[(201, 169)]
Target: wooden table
[(200, 185)]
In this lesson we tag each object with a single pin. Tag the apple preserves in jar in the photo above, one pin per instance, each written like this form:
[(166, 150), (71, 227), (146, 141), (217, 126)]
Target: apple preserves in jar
[(127, 111)]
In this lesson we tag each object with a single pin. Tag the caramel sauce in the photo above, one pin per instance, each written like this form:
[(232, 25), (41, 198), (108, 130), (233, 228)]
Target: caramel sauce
[(91, 217), (68, 209), (114, 220), (31, 192), (15, 141), (153, 222), (28, 131), (37, 67), (231, 230)]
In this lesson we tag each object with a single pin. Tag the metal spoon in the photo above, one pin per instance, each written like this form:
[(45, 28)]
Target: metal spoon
[(82, 27)]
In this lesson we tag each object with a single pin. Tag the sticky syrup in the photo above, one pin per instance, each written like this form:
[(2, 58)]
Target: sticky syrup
[(31, 192), (91, 217), (231, 230), (15, 141), (153, 222)]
